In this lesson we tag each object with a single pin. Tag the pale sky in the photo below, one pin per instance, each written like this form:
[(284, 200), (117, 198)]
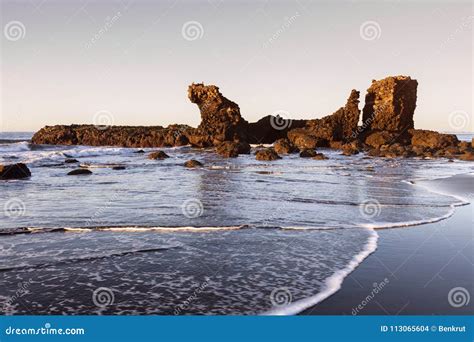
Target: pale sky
[(64, 61)]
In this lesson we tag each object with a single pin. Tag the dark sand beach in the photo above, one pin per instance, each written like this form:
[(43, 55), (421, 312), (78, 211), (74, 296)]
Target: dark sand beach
[(421, 263)]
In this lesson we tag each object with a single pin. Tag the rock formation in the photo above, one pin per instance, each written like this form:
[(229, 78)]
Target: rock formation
[(78, 172), (390, 104), (220, 117), (339, 126), (232, 149), (193, 163), (124, 136), (387, 130), (14, 171), (267, 154), (158, 155)]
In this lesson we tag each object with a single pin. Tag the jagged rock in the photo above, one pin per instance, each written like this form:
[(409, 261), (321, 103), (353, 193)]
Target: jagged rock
[(283, 146), (124, 136), (271, 128), (267, 154), (220, 117), (232, 149), (390, 104), (14, 171), (339, 126), (79, 172), (193, 163), (71, 161), (308, 153), (431, 139), (158, 155)]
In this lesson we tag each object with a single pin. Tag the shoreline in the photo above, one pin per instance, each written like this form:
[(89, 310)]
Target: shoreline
[(407, 258)]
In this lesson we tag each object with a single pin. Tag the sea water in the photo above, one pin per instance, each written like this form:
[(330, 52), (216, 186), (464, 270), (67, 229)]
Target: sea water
[(237, 236)]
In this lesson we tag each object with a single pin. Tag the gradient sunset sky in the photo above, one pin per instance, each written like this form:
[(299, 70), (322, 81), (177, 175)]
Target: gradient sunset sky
[(65, 61)]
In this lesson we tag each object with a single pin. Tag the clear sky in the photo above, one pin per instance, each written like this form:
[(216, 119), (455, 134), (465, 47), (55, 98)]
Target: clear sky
[(64, 61)]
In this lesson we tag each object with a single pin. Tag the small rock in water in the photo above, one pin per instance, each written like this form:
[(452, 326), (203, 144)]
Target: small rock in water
[(193, 163), (308, 153), (267, 154), (158, 155), (320, 156), (232, 149), (14, 171), (79, 172), (284, 146), (118, 168), (71, 161), (139, 151)]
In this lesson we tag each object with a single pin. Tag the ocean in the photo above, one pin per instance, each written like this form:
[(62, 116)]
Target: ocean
[(238, 236)]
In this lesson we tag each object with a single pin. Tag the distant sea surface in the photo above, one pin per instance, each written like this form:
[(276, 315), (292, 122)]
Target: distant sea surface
[(238, 236)]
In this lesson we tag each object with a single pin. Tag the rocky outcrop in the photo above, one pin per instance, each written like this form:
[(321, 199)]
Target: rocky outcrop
[(220, 117), (339, 126), (390, 104), (14, 171), (271, 128), (232, 149), (431, 139), (387, 128), (124, 136), (267, 154)]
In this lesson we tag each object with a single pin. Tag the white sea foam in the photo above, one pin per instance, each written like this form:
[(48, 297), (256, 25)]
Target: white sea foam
[(331, 284)]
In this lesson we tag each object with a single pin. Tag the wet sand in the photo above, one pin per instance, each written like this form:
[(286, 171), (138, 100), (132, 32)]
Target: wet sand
[(414, 269)]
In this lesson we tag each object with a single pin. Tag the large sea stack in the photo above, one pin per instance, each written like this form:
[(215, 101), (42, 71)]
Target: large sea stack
[(390, 104)]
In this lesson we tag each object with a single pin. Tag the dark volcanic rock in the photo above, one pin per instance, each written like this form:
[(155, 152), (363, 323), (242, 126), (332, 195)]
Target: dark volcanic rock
[(193, 163), (308, 153), (139, 151), (232, 149), (71, 161), (79, 172), (158, 155), (118, 168), (390, 104), (271, 128), (339, 126), (320, 156), (14, 171), (431, 139), (220, 117), (267, 154), (283, 146)]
